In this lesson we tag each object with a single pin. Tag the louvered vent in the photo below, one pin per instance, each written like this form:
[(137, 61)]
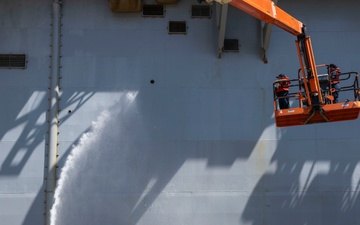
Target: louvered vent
[(177, 27), (153, 10), (231, 45), (13, 61), (200, 11)]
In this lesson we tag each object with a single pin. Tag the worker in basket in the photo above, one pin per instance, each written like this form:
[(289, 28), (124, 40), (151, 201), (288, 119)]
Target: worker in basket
[(282, 91), (334, 74)]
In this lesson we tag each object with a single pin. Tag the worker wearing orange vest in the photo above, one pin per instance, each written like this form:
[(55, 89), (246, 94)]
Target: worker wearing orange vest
[(282, 90), (334, 75)]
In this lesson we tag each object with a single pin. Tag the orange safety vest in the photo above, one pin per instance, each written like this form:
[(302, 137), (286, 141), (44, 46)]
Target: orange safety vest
[(334, 75), (283, 85)]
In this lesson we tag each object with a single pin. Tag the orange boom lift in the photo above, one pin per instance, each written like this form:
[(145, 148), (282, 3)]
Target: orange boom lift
[(315, 105)]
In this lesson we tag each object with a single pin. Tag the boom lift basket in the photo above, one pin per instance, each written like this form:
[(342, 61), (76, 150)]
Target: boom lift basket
[(301, 113)]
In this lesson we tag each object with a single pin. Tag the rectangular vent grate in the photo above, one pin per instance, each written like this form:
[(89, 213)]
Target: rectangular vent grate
[(231, 45), (13, 61), (153, 10), (177, 27), (200, 11)]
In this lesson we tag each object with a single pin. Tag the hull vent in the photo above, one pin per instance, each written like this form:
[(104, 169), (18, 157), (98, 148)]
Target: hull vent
[(231, 45), (12, 61), (200, 11), (153, 10), (177, 27), (166, 1)]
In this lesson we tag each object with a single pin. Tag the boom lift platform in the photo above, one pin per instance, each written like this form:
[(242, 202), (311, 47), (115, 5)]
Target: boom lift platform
[(326, 111), (315, 100)]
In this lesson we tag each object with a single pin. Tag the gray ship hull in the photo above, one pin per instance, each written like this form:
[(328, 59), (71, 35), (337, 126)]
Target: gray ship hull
[(155, 128)]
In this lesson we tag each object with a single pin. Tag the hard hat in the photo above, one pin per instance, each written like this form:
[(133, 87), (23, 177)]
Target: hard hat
[(281, 76)]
